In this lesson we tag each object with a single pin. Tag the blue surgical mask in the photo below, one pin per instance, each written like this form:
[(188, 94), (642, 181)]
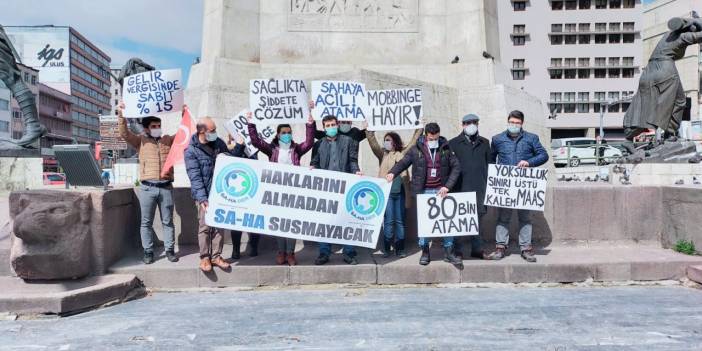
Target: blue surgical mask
[(332, 131), (210, 137), (345, 127), (285, 138), (514, 128)]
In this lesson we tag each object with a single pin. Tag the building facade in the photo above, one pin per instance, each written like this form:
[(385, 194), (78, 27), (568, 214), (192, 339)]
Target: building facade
[(581, 57), (115, 89), (655, 25), (70, 63), (5, 114), (55, 114)]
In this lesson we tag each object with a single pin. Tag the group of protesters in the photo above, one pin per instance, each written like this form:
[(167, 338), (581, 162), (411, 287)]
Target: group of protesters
[(438, 166)]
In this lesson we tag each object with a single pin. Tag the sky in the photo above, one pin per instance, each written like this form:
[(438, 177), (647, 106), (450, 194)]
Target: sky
[(164, 33)]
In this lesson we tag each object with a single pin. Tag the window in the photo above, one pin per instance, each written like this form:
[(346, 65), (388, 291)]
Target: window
[(556, 28), (614, 26), (519, 29), (584, 27), (568, 97), (614, 73), (34, 80), (570, 74), (613, 96), (629, 4), (627, 61), (615, 4), (26, 77), (518, 40), (627, 38), (571, 4), (584, 39), (601, 39), (614, 38), (613, 61), (569, 62), (556, 74), (518, 75), (556, 5), (116, 91), (600, 4), (600, 73), (4, 105), (628, 73), (518, 63), (584, 62), (4, 126), (583, 73), (600, 61), (583, 96), (556, 39), (519, 5), (600, 27), (628, 26), (584, 4), (570, 27), (556, 62), (569, 108), (571, 39), (600, 96)]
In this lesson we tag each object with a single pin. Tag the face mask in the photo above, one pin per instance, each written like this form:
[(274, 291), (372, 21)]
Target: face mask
[(433, 144), (210, 137), (344, 128), (156, 132), (332, 131), (514, 128), (388, 145), (470, 129), (285, 138)]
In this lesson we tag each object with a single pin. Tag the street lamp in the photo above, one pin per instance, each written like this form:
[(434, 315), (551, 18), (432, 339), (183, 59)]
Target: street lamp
[(604, 105)]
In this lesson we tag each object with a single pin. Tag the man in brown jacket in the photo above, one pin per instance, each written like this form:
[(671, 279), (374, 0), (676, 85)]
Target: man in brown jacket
[(155, 190)]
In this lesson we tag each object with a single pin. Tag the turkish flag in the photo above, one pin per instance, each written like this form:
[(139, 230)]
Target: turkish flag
[(181, 140)]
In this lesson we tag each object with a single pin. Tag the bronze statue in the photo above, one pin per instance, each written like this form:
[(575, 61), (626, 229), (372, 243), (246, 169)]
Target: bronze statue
[(10, 75), (133, 66)]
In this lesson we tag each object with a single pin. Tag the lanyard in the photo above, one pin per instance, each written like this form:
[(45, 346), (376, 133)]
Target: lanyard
[(433, 157)]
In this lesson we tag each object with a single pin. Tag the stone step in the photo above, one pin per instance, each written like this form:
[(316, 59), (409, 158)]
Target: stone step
[(555, 264), (695, 273)]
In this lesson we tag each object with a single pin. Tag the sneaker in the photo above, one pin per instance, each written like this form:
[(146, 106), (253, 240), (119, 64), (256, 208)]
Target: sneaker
[(426, 258), (498, 254), (528, 255), (400, 248), (280, 258), (350, 260), (321, 259), (386, 248), (148, 257), (171, 256), (290, 258)]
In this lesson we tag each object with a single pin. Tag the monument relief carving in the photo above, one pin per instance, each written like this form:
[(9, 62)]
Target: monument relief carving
[(354, 16)]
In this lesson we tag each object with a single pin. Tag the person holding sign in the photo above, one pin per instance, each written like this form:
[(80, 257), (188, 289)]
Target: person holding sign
[(435, 170), (516, 147), (156, 188), (389, 154), (473, 154), (199, 163), (335, 152), (283, 150), (345, 128)]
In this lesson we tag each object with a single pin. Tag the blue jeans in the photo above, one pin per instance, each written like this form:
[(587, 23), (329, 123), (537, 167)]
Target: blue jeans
[(395, 217), (325, 249), (448, 240), (149, 198)]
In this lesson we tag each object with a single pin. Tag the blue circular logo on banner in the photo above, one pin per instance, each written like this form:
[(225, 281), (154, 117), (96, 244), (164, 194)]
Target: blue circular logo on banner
[(236, 183), (365, 200)]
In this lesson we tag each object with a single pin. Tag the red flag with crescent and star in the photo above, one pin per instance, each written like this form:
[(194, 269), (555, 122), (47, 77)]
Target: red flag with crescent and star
[(181, 140)]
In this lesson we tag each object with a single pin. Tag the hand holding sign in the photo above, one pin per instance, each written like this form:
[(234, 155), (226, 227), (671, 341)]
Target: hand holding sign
[(153, 93)]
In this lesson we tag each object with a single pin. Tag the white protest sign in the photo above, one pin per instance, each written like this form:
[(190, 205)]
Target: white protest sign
[(396, 109), (296, 202), (239, 126), (513, 187), (454, 215), (153, 93), (276, 101), (344, 100)]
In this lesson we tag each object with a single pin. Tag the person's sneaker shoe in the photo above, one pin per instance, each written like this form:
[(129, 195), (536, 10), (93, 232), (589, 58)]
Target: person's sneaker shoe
[(148, 257), (236, 253), (386, 248), (400, 248), (205, 264), (290, 258), (280, 257), (426, 258), (321, 259), (528, 255), (350, 260), (498, 254), (171, 256), (451, 258), (219, 262)]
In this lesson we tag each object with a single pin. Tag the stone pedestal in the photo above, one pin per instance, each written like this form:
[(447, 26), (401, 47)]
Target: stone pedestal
[(20, 173)]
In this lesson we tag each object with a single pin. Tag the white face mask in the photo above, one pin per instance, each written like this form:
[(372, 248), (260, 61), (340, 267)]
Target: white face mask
[(433, 144), (470, 129), (156, 132), (388, 145), (514, 128), (344, 128), (210, 137)]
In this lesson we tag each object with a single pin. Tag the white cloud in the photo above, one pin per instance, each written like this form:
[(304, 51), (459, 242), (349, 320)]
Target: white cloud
[(170, 24)]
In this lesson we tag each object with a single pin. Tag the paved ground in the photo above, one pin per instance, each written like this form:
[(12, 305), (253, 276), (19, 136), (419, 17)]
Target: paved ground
[(615, 318)]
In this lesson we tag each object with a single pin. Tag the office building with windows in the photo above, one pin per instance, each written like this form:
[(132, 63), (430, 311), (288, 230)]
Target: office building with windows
[(71, 64), (583, 58)]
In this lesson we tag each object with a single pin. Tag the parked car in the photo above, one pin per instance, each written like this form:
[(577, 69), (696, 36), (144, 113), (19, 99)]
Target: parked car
[(52, 178), (576, 151)]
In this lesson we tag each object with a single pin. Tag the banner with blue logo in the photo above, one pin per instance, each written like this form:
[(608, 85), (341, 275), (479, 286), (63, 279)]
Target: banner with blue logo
[(296, 202)]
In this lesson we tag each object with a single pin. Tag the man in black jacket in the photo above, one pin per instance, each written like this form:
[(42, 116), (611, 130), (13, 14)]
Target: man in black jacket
[(473, 154), (435, 170)]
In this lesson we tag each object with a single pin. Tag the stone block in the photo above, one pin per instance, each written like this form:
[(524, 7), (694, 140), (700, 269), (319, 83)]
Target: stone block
[(694, 273), (333, 274), (245, 276), (612, 271), (436, 272), (569, 273), (666, 270)]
